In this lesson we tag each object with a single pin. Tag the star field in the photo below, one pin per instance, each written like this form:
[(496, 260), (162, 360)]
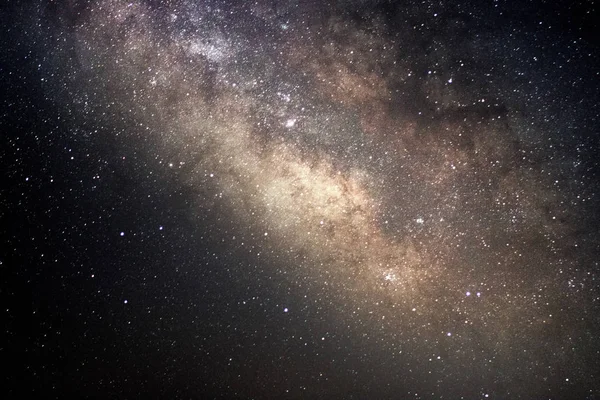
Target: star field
[(298, 199)]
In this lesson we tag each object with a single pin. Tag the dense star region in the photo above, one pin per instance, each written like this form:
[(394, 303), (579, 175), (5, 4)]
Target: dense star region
[(300, 199)]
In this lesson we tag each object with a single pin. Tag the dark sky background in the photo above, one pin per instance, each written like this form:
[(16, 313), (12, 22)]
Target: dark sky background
[(300, 199)]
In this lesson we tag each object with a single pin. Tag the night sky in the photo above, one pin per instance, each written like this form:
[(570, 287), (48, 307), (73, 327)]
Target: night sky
[(300, 199)]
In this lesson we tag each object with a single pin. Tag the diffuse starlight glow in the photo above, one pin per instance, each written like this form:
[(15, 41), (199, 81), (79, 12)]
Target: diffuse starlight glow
[(319, 141), (299, 197)]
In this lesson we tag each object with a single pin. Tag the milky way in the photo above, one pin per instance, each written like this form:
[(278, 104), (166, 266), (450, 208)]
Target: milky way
[(407, 172)]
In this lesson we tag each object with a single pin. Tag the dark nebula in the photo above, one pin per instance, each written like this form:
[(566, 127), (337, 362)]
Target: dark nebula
[(300, 199)]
